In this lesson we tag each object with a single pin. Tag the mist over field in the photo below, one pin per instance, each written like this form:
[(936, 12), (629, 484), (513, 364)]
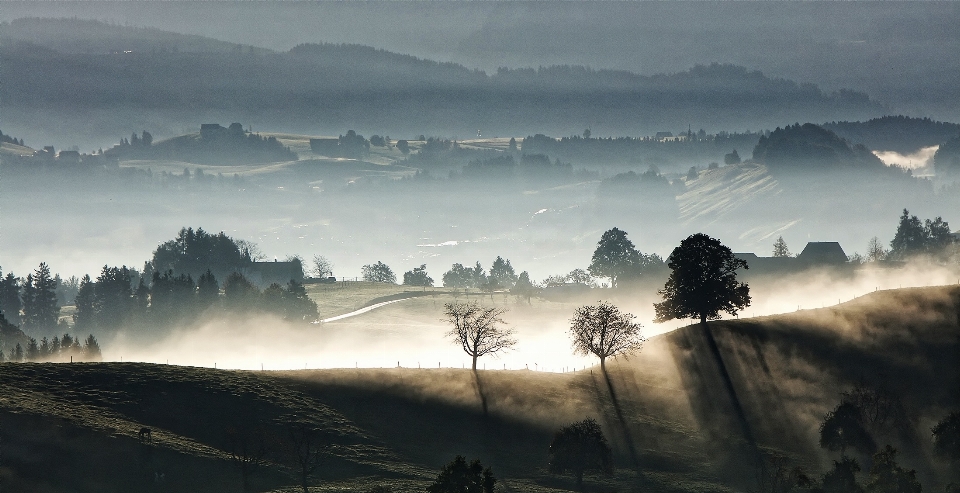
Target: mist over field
[(353, 246)]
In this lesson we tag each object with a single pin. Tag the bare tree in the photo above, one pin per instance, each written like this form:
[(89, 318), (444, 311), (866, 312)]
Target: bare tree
[(322, 266), (604, 331), (875, 250), (478, 329), (247, 451), (304, 447)]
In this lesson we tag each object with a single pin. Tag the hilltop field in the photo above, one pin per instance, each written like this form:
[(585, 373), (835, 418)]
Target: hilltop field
[(673, 423)]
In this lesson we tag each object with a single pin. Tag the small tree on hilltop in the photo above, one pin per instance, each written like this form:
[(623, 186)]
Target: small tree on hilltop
[(580, 448), (460, 477), (780, 248), (378, 272), (604, 331), (478, 330), (703, 282)]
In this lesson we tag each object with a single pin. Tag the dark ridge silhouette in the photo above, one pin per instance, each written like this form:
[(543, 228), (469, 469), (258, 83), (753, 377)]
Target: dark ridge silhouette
[(351, 84), (898, 133)]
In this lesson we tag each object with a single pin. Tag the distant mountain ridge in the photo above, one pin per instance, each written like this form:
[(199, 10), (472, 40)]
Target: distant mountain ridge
[(326, 87)]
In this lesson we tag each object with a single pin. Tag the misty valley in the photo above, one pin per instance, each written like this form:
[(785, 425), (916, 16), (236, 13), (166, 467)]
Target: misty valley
[(227, 266)]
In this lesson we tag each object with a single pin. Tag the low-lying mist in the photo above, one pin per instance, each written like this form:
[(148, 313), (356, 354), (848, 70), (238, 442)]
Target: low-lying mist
[(410, 333), (922, 158)]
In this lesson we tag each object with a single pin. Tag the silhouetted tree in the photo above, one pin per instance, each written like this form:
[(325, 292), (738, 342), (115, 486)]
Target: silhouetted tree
[(910, 238), (297, 304), (886, 476), (524, 288), (946, 437), (614, 256), (17, 355), (703, 281), (238, 292), (322, 267), (844, 427), (248, 452), (10, 304), (33, 350), (85, 302), (458, 277), (40, 308), (843, 477), (780, 248), (513, 144), (91, 349), (113, 295), (403, 146), (208, 290), (604, 331), (417, 277), (876, 250), (478, 330), (378, 272), (304, 447), (459, 477), (580, 448), (502, 274)]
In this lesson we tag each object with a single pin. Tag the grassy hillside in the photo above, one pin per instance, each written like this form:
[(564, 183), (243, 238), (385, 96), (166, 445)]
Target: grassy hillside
[(675, 422)]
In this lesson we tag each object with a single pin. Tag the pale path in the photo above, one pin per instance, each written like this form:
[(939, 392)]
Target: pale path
[(362, 310)]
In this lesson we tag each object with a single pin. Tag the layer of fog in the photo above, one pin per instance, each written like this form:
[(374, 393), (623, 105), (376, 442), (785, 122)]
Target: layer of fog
[(922, 158), (411, 333)]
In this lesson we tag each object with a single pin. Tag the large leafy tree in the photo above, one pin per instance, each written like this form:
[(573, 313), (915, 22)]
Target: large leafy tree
[(478, 330), (193, 252), (604, 331), (417, 277), (844, 427), (580, 448), (914, 237), (460, 477), (113, 296), (378, 272), (502, 274), (614, 256), (703, 281)]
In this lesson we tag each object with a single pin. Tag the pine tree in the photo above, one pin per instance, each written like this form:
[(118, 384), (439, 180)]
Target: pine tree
[(780, 248), (44, 348), (55, 347), (40, 307), (17, 354), (10, 303), (91, 349), (28, 302), (33, 350), (85, 303)]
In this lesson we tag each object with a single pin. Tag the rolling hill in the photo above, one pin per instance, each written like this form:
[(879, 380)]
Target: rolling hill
[(692, 412)]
